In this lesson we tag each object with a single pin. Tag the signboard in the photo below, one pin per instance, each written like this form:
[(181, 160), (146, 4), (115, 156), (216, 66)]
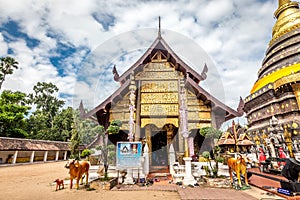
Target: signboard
[(284, 191), (129, 155)]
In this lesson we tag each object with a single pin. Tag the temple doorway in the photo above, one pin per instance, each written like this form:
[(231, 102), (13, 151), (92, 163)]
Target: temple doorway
[(159, 141), (159, 149)]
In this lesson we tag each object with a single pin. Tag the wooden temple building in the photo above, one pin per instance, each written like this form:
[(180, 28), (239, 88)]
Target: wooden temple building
[(161, 102), (273, 106)]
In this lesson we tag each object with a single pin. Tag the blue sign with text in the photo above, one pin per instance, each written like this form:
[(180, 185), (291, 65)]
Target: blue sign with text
[(129, 155), (284, 191)]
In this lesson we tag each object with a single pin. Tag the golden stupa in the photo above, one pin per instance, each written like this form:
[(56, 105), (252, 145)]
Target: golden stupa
[(276, 93)]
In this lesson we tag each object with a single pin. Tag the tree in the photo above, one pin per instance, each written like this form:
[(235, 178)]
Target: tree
[(75, 142), (87, 129), (45, 100), (13, 110), (37, 126), (7, 66), (62, 125), (41, 122), (113, 128), (211, 134)]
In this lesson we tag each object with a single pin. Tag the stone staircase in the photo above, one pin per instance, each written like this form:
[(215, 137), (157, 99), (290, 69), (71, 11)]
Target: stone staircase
[(160, 172)]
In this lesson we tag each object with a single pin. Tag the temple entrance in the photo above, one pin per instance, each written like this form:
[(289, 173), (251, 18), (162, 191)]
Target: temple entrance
[(159, 149), (159, 141)]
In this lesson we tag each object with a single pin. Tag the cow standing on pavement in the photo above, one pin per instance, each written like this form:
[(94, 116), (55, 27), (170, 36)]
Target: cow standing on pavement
[(239, 166), (77, 170)]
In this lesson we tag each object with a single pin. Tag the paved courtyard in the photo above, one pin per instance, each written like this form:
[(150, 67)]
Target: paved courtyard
[(36, 182)]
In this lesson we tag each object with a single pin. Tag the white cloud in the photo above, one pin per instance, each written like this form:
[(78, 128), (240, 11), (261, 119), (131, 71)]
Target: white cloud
[(234, 34), (3, 46)]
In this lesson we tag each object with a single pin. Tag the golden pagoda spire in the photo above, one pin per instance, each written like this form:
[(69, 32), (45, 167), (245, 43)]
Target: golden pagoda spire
[(284, 5), (288, 18), (282, 2)]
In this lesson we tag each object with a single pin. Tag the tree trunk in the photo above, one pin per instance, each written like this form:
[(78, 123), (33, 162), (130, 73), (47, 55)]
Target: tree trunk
[(105, 156)]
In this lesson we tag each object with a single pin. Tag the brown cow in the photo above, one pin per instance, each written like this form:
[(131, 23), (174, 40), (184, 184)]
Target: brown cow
[(59, 183), (240, 167), (77, 170)]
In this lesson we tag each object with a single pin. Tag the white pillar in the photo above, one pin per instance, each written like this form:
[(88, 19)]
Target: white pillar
[(188, 178), (32, 157), (65, 155), (128, 179), (132, 88), (56, 156), (45, 156), (191, 146), (141, 170), (15, 157), (146, 160), (172, 158)]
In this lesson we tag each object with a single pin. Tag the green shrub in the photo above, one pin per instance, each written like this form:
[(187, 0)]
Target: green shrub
[(220, 159), (206, 155), (86, 153), (114, 127)]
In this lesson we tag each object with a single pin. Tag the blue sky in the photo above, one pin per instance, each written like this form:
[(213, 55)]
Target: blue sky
[(74, 44)]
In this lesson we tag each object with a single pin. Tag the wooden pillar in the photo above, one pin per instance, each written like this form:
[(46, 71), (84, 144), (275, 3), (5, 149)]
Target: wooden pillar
[(45, 156), (169, 137), (56, 156), (32, 157), (15, 157), (65, 155)]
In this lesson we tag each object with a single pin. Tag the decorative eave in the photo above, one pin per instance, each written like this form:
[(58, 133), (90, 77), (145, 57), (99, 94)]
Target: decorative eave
[(104, 105), (226, 139), (160, 44), (200, 92), (97, 141), (245, 143), (82, 113)]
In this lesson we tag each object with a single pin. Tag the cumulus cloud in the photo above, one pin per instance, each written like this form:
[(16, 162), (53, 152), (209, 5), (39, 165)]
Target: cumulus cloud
[(3, 45), (69, 34)]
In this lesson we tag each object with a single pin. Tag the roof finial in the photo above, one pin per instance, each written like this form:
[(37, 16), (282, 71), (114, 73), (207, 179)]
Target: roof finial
[(284, 5), (159, 31), (282, 2), (287, 15)]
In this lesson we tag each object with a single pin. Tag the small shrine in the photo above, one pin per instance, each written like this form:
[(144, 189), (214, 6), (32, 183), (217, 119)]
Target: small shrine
[(235, 139), (227, 142)]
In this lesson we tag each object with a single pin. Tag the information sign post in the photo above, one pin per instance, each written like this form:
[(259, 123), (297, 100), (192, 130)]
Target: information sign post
[(129, 156)]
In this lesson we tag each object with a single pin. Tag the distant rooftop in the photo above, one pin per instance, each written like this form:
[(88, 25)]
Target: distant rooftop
[(8, 144)]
